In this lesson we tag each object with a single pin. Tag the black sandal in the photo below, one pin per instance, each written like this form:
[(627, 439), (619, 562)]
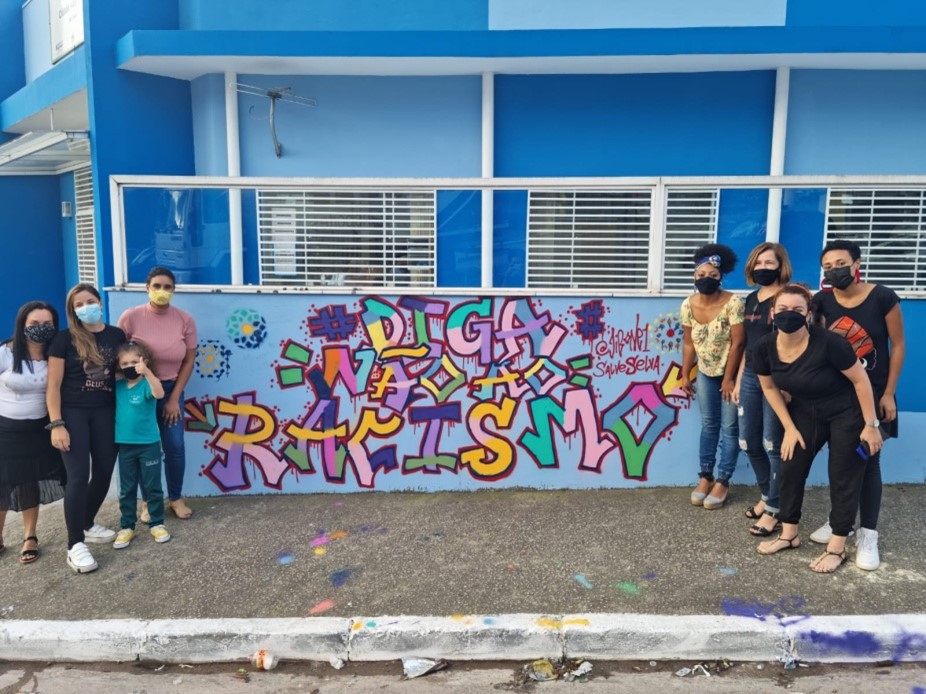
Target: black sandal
[(751, 514), (759, 531), (790, 545), (27, 556), (842, 560)]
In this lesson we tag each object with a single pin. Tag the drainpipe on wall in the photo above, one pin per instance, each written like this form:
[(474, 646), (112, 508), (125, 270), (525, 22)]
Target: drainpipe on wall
[(233, 148), (488, 171), (779, 142)]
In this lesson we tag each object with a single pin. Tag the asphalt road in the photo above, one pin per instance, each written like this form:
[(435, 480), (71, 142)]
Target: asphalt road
[(550, 552)]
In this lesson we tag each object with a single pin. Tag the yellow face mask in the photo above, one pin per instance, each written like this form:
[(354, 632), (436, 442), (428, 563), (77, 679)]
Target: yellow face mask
[(160, 297)]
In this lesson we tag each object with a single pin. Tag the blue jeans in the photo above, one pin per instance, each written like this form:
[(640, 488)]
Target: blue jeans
[(718, 424), (172, 443), (760, 437)]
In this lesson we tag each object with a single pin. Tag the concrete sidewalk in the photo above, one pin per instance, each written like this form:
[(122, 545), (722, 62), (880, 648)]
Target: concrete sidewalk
[(618, 574)]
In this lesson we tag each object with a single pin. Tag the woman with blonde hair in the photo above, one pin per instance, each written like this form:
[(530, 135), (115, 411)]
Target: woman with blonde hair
[(769, 268), (82, 408)]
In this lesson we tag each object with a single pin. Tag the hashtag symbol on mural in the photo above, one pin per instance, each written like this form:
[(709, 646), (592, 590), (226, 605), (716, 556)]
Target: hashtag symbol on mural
[(589, 324), (333, 323)]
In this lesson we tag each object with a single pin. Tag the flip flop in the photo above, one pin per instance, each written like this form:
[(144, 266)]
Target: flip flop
[(27, 556), (842, 560), (790, 545)]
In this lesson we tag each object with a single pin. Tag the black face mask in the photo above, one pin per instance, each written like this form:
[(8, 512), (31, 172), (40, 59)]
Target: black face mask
[(40, 334), (765, 277), (707, 285), (790, 321), (840, 277), (130, 373)]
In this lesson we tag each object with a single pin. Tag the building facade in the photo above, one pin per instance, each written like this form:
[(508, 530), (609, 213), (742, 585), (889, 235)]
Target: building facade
[(442, 244)]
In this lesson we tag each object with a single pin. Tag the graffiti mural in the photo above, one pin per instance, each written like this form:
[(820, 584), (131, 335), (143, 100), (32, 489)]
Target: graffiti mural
[(425, 392)]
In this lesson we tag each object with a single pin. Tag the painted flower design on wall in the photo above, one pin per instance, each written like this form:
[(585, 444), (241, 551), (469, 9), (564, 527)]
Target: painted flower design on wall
[(246, 328), (212, 359)]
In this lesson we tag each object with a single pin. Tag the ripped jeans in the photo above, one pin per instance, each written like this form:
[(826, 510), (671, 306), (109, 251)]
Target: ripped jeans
[(760, 438)]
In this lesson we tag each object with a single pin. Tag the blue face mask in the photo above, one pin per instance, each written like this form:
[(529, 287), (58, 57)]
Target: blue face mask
[(90, 314)]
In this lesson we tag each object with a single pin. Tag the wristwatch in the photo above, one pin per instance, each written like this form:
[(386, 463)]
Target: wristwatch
[(873, 423)]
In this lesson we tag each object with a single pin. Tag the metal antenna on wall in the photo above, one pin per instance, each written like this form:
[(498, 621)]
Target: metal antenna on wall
[(284, 94)]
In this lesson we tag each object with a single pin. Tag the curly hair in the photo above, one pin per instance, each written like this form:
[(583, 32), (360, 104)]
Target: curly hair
[(142, 350), (725, 253)]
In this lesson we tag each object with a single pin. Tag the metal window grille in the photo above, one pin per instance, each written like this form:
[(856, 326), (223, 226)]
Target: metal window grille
[(602, 239), (691, 222), (347, 238), (890, 228), (588, 239), (84, 223)]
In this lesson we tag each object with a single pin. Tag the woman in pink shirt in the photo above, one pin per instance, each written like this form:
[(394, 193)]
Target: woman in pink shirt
[(170, 334)]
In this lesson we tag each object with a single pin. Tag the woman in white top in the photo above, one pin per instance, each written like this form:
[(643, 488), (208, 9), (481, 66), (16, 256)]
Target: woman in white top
[(31, 472)]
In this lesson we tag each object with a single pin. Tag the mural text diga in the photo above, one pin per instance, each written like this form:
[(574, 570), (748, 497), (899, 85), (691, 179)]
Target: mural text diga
[(486, 388)]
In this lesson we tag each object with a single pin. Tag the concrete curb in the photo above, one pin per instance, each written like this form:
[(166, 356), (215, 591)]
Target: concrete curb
[(490, 637)]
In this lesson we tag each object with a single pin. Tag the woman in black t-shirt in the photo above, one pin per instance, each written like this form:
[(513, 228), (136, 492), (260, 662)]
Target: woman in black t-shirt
[(868, 316), (820, 372), (82, 408)]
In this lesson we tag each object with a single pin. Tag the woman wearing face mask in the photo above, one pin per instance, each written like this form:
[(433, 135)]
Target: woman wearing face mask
[(831, 404), (769, 267), (869, 316), (713, 323), (82, 407), (31, 472), (170, 334)]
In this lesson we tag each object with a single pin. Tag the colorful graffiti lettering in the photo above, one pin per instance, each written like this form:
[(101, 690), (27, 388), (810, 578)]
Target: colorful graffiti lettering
[(426, 386)]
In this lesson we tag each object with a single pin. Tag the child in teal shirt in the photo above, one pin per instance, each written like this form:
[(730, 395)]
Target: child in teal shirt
[(139, 439)]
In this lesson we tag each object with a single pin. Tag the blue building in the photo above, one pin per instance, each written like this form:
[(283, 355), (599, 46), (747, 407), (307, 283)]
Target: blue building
[(441, 244)]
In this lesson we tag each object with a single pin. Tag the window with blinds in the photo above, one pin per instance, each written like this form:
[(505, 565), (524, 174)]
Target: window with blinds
[(347, 238), (691, 222), (890, 228), (84, 223), (602, 239)]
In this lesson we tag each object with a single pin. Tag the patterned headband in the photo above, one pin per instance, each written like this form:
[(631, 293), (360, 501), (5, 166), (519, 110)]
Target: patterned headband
[(711, 260)]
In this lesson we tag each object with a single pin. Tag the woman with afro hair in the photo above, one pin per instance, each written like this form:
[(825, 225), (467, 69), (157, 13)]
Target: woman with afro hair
[(712, 319)]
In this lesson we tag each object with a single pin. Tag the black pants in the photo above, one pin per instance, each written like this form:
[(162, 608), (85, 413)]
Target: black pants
[(837, 421), (89, 465)]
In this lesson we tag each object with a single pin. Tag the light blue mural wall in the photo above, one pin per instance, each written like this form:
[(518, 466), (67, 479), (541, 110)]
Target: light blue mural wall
[(634, 14), (304, 394), (856, 122)]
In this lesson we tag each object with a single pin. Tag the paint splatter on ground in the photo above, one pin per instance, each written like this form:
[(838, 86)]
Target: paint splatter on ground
[(549, 623), (583, 581), (628, 587), (340, 577), (727, 571), (323, 606), (319, 541), (320, 551), (651, 576), (285, 558)]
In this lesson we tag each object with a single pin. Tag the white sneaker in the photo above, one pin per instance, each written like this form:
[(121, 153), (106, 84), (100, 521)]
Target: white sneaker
[(866, 553), (98, 534), (80, 559), (823, 534)]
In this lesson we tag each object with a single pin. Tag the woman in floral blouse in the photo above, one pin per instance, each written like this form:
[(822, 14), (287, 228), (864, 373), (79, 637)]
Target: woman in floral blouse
[(713, 323)]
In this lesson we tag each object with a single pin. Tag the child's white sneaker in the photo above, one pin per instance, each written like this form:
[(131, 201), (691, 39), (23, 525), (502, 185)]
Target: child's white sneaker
[(160, 534), (123, 538), (80, 559)]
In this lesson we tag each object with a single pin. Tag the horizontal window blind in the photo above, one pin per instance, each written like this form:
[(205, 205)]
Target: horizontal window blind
[(888, 225), (84, 223), (347, 238), (588, 239), (602, 239), (691, 222)]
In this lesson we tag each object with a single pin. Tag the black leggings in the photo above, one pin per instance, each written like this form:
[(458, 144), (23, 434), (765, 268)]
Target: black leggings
[(89, 465), (837, 421)]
